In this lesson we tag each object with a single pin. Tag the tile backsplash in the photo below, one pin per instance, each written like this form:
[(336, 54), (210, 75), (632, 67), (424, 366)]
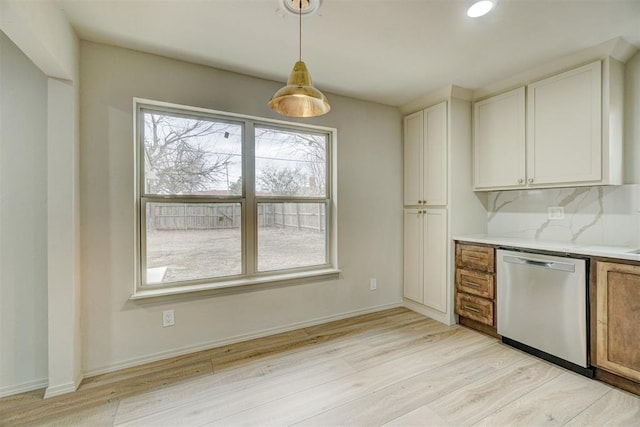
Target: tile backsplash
[(592, 215)]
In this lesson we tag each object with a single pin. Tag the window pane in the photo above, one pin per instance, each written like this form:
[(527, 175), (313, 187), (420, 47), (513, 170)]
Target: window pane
[(191, 241), (290, 163), (191, 155), (291, 235)]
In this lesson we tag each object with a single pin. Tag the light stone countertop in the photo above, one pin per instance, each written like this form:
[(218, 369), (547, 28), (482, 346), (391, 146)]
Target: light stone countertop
[(617, 252)]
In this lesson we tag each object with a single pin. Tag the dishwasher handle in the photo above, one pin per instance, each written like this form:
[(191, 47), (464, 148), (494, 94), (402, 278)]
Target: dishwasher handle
[(553, 265)]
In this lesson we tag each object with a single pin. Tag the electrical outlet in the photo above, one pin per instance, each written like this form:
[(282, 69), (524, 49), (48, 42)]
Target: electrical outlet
[(373, 284), (555, 212), (167, 318)]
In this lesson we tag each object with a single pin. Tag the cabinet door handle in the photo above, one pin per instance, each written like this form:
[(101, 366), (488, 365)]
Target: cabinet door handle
[(471, 309), (470, 284), (520, 181), (530, 180)]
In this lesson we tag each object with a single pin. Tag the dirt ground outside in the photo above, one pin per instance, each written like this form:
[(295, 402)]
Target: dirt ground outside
[(199, 254)]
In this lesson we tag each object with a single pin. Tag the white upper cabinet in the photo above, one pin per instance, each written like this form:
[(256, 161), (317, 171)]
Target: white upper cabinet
[(425, 157), (564, 136), (569, 134), (413, 131), (499, 141)]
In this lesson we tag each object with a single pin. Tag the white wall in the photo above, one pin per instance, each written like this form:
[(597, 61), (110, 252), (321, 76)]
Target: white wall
[(23, 221), (42, 33), (118, 332), (63, 246)]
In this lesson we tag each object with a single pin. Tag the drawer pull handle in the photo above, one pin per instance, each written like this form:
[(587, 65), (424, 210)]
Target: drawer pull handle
[(470, 284), (471, 309)]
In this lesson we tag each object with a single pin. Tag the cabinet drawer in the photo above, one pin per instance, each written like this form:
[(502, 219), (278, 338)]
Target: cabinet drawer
[(478, 309), (475, 282), (474, 257)]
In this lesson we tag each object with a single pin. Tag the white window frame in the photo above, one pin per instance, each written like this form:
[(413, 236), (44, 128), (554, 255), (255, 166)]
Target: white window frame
[(250, 277)]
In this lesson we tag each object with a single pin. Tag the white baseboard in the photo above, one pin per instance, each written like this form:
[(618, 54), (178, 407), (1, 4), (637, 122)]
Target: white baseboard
[(429, 312), (232, 340), (24, 387), (60, 389)]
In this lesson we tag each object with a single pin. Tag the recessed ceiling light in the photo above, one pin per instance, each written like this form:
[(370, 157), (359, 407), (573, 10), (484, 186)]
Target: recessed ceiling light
[(480, 8)]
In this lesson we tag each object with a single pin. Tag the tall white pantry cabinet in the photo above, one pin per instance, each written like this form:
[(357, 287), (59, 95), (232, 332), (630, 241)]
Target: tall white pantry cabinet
[(438, 203)]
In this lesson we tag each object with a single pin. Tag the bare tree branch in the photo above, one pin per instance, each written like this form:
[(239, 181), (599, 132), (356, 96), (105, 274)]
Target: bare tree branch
[(311, 150), (176, 159)]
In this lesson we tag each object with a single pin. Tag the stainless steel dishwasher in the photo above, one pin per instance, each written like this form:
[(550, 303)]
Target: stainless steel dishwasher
[(542, 307)]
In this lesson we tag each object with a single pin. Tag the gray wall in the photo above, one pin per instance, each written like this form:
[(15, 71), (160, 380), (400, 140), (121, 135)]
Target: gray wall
[(632, 120), (118, 332), (23, 221)]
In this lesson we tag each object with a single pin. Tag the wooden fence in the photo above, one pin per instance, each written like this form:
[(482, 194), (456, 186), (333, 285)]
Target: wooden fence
[(310, 216), (175, 216)]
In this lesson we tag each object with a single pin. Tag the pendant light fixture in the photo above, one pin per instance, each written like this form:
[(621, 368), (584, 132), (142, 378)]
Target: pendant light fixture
[(299, 98)]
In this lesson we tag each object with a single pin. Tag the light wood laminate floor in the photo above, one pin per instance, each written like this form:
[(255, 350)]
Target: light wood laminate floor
[(394, 368)]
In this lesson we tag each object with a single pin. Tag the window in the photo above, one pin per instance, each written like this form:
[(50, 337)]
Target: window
[(230, 200)]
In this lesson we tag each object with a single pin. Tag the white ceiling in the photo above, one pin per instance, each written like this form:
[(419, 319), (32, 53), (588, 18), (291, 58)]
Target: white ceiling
[(386, 51)]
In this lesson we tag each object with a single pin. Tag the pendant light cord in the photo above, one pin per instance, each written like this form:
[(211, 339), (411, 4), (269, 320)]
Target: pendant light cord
[(300, 32)]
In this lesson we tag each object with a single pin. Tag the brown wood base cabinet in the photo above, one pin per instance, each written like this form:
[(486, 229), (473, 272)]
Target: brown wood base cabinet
[(618, 319), (475, 286)]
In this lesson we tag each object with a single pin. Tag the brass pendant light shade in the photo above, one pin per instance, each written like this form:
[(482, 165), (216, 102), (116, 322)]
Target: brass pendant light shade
[(299, 98)]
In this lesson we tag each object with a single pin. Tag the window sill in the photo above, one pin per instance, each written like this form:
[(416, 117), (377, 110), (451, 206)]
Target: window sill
[(240, 285)]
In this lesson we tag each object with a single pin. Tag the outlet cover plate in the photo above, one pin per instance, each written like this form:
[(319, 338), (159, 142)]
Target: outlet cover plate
[(167, 318), (555, 212)]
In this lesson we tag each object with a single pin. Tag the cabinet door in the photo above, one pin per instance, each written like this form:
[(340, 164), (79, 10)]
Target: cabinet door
[(435, 155), (499, 141), (435, 259), (618, 317), (413, 154), (564, 119), (413, 254)]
